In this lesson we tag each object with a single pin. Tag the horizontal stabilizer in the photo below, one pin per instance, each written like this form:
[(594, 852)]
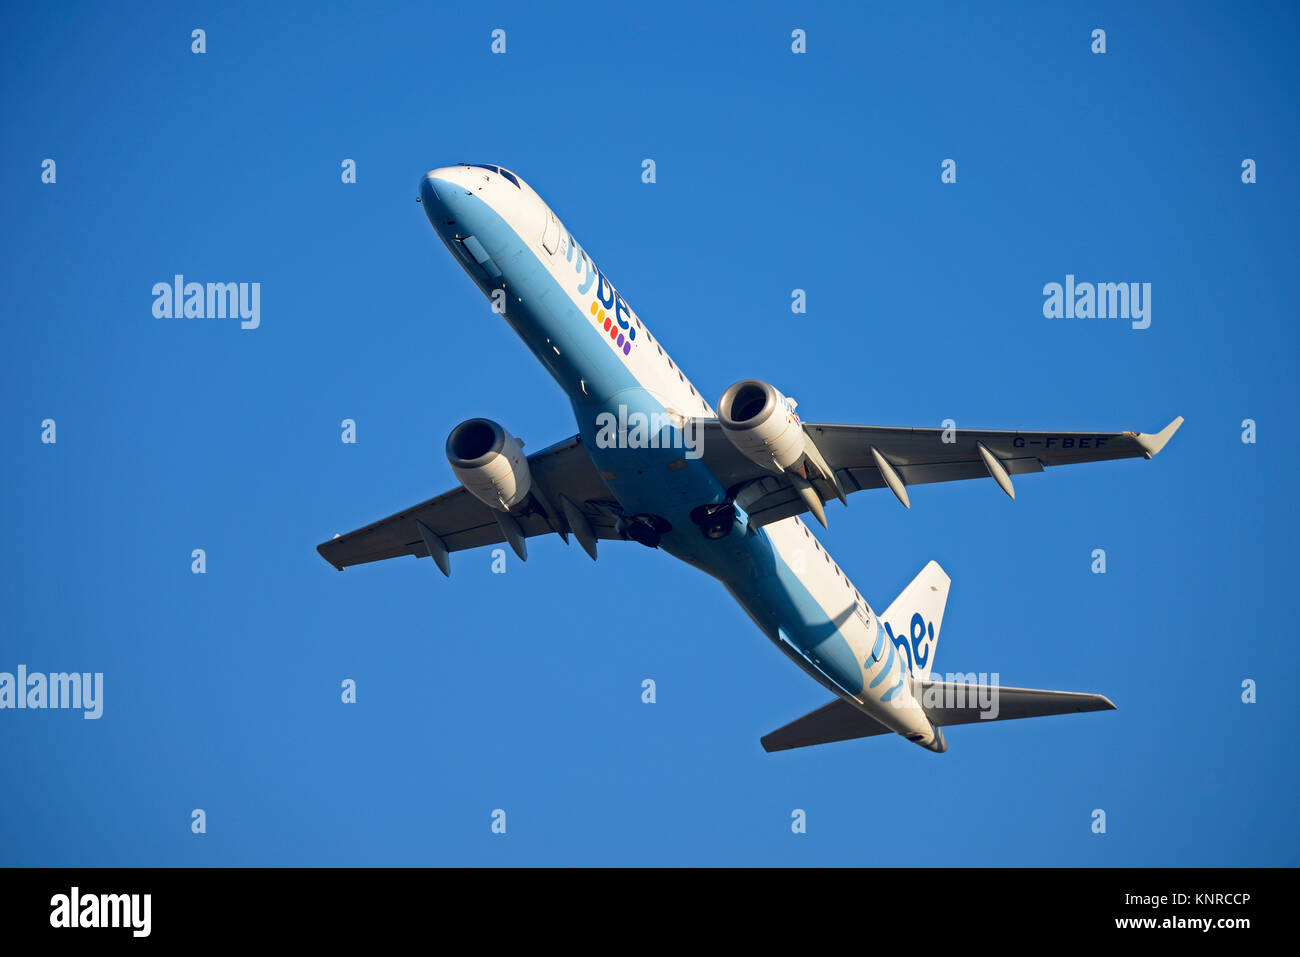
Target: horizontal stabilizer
[(948, 704), (837, 721), (945, 703)]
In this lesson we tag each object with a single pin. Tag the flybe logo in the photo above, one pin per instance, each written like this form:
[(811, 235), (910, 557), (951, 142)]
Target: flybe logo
[(622, 334), (918, 645), (608, 310)]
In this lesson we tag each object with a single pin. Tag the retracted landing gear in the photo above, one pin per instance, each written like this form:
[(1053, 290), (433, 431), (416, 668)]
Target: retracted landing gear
[(646, 530), (715, 521)]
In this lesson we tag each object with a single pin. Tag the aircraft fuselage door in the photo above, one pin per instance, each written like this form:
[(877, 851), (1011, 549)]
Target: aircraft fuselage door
[(551, 233)]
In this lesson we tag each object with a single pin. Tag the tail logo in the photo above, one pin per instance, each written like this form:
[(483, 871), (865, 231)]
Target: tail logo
[(922, 641)]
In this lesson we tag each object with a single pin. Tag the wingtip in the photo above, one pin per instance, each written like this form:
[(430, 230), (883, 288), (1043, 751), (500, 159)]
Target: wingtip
[(1152, 444)]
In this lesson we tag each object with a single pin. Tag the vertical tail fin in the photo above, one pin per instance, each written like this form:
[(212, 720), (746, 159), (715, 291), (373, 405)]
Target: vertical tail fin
[(912, 621)]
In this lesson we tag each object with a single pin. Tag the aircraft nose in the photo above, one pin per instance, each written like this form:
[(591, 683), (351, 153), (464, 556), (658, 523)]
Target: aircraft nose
[(435, 178), (437, 190)]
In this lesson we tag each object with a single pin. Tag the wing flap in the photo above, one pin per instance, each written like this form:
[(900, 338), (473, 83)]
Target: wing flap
[(776, 498)]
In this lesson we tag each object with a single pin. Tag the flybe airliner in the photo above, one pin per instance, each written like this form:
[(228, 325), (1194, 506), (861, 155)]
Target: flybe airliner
[(656, 465)]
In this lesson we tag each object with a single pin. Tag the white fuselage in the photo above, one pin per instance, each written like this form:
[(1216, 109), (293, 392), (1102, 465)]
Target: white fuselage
[(609, 364)]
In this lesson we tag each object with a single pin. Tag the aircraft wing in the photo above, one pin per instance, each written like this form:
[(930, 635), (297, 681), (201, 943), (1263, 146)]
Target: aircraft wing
[(864, 456), (461, 521)]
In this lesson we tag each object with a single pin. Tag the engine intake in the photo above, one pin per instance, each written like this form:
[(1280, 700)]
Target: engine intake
[(761, 423), (490, 463)]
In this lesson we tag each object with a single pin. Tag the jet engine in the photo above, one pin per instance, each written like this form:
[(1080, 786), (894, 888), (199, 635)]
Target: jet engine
[(761, 423), (490, 463)]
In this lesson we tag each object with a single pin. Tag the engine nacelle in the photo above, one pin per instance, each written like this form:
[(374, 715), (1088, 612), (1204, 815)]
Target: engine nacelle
[(761, 423), (490, 463)]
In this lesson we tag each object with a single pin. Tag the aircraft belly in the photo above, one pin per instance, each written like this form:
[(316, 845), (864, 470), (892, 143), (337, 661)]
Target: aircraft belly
[(654, 472), (834, 648)]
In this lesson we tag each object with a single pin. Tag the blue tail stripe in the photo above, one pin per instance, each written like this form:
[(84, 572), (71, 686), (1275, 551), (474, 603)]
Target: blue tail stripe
[(892, 691), (885, 671)]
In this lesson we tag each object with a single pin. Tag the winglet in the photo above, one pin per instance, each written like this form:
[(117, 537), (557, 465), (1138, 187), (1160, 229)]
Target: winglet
[(1154, 443)]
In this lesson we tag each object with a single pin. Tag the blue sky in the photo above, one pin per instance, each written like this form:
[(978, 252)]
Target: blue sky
[(775, 171)]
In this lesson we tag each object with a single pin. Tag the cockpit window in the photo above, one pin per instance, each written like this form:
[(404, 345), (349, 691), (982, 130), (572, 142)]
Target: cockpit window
[(496, 169)]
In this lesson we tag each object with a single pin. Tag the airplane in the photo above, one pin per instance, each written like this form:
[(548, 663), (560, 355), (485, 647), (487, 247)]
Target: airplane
[(653, 463)]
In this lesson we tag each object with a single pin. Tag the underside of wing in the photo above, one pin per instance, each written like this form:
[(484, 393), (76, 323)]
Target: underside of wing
[(868, 457), (460, 521)]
